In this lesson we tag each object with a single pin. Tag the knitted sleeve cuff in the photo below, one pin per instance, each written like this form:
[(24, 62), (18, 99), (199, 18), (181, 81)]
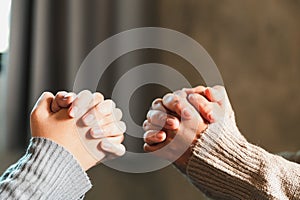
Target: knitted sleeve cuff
[(225, 166), (47, 171)]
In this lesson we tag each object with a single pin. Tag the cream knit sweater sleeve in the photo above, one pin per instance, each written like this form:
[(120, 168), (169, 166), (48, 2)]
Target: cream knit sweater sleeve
[(46, 171), (225, 166)]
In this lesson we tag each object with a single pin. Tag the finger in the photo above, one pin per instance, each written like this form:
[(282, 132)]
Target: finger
[(157, 104), (110, 130), (116, 149), (199, 89), (153, 148), (106, 107), (161, 119), (67, 100), (116, 139), (84, 101), (59, 101), (180, 93), (153, 137), (94, 117), (42, 108), (208, 110), (149, 126), (177, 105)]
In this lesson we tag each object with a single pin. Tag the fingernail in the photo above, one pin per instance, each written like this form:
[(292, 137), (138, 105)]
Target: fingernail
[(186, 113), (170, 122), (191, 97), (74, 111), (98, 132), (215, 94), (173, 123), (160, 136), (68, 95), (63, 93), (88, 119), (169, 98), (106, 145)]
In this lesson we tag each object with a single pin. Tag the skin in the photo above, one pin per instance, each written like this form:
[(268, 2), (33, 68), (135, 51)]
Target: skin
[(188, 113), (53, 117)]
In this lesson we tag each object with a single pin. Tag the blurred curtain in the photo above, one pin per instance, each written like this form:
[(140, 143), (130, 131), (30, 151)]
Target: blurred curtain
[(50, 39)]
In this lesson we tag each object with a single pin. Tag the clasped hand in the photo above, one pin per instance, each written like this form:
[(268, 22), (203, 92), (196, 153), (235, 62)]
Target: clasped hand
[(93, 125)]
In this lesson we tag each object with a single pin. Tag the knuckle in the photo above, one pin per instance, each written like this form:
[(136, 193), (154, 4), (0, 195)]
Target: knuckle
[(180, 93), (156, 102), (86, 92), (205, 106), (46, 95), (168, 98), (145, 136), (61, 93), (162, 117), (121, 126), (145, 124), (146, 147), (122, 150), (122, 137), (118, 114), (220, 88), (34, 114), (177, 105), (149, 115), (110, 103), (99, 95)]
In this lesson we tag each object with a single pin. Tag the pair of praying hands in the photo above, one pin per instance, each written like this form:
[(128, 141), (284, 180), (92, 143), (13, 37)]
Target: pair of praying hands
[(184, 115), (86, 125), (90, 128)]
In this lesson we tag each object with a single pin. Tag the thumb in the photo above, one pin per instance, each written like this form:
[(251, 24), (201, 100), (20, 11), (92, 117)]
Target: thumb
[(43, 105), (216, 94)]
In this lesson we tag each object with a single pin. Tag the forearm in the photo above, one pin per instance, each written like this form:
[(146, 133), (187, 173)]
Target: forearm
[(225, 166), (46, 171)]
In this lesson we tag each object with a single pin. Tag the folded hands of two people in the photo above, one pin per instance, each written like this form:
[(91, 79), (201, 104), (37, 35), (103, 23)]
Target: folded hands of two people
[(186, 114)]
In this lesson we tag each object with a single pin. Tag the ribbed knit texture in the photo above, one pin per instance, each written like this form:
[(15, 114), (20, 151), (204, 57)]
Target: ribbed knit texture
[(225, 166), (46, 171)]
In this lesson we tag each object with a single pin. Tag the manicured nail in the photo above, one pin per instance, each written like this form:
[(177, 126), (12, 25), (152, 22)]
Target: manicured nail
[(98, 133), (88, 119), (74, 111)]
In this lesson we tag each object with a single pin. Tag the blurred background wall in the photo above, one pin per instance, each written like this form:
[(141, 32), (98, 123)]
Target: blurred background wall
[(255, 44)]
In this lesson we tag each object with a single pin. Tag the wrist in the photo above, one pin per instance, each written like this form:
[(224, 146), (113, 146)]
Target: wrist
[(182, 162)]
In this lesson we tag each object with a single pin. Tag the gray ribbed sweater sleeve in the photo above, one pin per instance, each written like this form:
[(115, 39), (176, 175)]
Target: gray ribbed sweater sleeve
[(46, 171), (225, 166)]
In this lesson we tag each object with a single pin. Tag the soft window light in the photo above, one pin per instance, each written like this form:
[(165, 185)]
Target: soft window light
[(4, 24)]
